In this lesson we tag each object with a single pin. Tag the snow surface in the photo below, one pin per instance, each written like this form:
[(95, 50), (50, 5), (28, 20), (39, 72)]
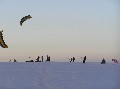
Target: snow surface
[(59, 75)]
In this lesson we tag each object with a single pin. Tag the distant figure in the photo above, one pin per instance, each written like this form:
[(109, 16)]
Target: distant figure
[(10, 60), (15, 60), (38, 59), (73, 59), (42, 58), (48, 58), (84, 59), (103, 61)]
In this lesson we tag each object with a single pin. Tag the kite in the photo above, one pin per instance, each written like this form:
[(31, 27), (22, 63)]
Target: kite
[(115, 60), (24, 19), (2, 43)]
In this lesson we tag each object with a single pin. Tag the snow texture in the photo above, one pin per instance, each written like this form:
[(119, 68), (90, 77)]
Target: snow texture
[(59, 75)]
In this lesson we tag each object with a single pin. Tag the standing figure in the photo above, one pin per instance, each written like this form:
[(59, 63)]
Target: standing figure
[(73, 59), (48, 58), (84, 59), (42, 58)]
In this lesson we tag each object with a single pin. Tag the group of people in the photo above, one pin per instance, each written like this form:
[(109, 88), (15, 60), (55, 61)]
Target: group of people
[(84, 60), (73, 59), (13, 60), (37, 60)]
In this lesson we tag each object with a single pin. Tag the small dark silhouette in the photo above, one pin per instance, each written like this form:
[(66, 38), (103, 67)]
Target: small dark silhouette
[(42, 58), (73, 59), (84, 59), (15, 60), (30, 61), (38, 59), (10, 60), (103, 61), (48, 58)]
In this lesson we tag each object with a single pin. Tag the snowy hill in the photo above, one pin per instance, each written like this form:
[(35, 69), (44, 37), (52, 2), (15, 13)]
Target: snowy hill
[(59, 75)]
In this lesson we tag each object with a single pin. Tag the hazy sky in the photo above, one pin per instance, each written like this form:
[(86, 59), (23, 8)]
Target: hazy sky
[(61, 29)]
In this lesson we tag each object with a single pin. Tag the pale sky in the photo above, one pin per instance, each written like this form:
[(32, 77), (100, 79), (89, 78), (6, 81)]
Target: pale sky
[(61, 29)]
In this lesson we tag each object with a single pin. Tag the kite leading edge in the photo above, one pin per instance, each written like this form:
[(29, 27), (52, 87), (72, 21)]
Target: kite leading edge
[(2, 43), (24, 19)]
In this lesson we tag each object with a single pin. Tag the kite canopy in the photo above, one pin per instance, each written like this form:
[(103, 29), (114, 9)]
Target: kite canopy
[(24, 19), (2, 43), (115, 60)]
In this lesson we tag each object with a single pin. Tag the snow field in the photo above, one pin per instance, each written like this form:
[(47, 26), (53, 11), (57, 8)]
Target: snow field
[(59, 75)]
